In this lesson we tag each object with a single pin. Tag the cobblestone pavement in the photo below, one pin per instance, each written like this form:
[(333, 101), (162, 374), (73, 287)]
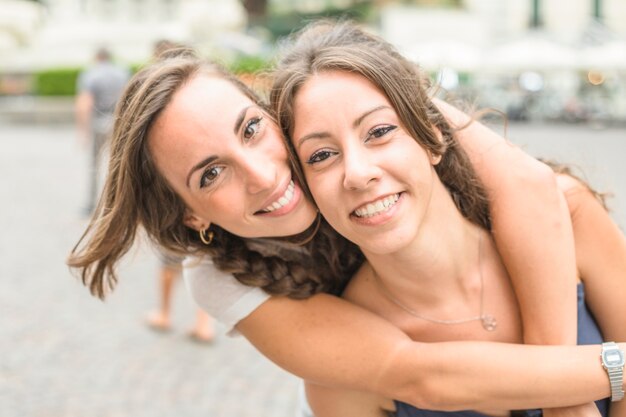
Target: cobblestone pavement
[(594, 153), (66, 354), (63, 353)]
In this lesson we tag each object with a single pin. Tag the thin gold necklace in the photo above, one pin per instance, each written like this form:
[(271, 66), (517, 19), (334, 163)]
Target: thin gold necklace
[(488, 321)]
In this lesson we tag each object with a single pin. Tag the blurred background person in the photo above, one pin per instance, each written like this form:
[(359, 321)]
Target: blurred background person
[(98, 89), (163, 45), (161, 318)]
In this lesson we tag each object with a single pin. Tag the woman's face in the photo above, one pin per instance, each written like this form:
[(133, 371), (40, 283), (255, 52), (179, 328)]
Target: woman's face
[(225, 158), (370, 179)]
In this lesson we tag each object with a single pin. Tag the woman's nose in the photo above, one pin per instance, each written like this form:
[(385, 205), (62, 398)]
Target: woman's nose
[(360, 169), (260, 174)]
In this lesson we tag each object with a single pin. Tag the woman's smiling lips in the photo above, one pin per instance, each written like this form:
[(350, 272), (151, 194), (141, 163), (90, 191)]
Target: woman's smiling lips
[(377, 206), (283, 203), (376, 211)]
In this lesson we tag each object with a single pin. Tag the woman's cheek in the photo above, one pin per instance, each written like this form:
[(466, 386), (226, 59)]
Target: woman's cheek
[(322, 190)]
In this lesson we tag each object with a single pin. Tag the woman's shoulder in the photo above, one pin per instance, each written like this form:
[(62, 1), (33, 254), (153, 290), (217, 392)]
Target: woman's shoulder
[(219, 293), (359, 288)]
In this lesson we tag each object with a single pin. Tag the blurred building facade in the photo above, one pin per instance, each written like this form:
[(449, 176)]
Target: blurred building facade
[(488, 22), (66, 32), (523, 51), (533, 59)]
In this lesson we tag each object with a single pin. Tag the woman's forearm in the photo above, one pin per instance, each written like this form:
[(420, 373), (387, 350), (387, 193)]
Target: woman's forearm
[(331, 342), (470, 375)]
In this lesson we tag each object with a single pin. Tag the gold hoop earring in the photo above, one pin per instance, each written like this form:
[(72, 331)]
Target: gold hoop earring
[(206, 238)]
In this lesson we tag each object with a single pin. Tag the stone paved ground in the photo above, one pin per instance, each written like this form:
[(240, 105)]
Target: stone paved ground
[(595, 153), (65, 354)]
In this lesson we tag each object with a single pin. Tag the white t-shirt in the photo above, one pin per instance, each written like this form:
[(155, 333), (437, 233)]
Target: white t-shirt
[(219, 293), (228, 301)]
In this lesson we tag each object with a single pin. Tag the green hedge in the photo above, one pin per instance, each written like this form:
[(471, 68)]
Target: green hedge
[(249, 64), (56, 82), (62, 81)]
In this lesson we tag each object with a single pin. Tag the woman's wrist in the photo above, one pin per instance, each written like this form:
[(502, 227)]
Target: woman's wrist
[(612, 358)]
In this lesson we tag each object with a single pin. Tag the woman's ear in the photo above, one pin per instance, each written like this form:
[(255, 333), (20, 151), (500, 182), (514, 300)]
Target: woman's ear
[(434, 159), (194, 222)]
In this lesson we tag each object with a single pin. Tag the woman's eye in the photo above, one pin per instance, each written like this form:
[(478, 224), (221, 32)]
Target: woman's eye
[(252, 127), (380, 131), (210, 175), (320, 156)]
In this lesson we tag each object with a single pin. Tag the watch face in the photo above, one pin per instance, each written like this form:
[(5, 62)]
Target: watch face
[(613, 358)]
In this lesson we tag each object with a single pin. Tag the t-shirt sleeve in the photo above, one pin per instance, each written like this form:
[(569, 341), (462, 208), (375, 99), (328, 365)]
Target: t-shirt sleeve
[(219, 293)]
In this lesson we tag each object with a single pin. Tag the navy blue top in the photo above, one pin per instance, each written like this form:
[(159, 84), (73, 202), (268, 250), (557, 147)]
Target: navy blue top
[(588, 334)]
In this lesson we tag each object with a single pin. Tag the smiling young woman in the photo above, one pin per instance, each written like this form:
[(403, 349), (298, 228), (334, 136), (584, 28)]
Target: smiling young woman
[(361, 159), (230, 171), (386, 171)]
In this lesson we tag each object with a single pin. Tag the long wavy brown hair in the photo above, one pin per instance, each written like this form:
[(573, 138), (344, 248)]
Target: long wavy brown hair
[(343, 46), (137, 195)]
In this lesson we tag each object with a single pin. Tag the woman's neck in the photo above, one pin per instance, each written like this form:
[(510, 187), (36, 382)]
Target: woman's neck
[(443, 259)]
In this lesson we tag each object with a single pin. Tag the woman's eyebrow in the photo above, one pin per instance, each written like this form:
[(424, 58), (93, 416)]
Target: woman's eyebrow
[(314, 135), (360, 119), (355, 124), (199, 165), (240, 118)]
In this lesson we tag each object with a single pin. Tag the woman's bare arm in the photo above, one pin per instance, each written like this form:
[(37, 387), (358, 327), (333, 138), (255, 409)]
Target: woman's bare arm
[(531, 227), (533, 233), (601, 260), (331, 342), (601, 257)]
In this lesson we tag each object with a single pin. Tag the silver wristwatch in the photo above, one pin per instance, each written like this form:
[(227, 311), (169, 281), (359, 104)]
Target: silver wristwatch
[(613, 361)]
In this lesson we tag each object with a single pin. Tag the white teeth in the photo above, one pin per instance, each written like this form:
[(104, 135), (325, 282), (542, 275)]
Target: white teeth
[(283, 200), (377, 207)]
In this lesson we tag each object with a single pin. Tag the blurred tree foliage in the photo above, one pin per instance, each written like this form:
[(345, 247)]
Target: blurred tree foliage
[(284, 23), (435, 3)]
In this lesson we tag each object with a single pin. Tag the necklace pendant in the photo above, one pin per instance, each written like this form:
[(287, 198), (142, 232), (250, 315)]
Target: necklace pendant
[(489, 322)]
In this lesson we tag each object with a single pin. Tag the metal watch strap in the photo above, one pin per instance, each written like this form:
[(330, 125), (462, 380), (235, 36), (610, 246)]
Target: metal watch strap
[(616, 375)]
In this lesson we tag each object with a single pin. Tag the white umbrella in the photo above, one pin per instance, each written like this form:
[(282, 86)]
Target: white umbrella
[(611, 55), (445, 53), (532, 53)]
